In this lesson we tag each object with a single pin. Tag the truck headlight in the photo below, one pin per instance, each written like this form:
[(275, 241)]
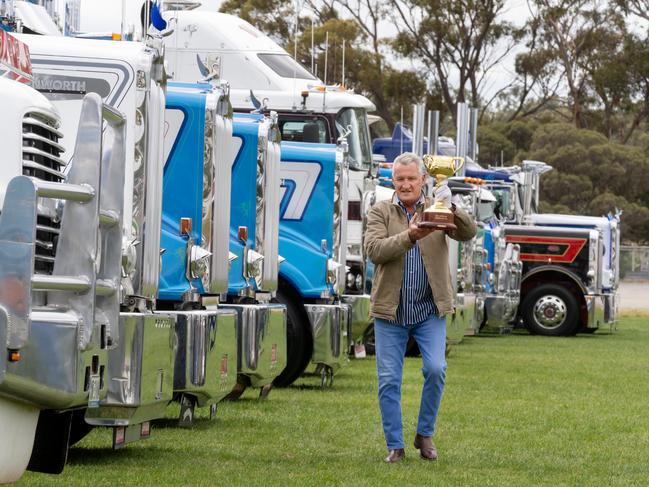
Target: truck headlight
[(332, 271), (199, 262), (253, 263)]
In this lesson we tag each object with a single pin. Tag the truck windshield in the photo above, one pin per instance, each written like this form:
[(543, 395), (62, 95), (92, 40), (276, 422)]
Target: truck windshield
[(360, 149), (304, 130), (285, 66), (486, 211)]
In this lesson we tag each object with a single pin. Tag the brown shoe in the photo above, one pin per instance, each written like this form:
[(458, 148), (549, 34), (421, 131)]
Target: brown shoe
[(395, 456), (426, 447)]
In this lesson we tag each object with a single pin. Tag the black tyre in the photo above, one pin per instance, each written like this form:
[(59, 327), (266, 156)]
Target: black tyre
[(551, 310), (299, 342)]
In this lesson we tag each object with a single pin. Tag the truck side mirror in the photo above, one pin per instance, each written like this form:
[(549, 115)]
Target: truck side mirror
[(377, 160)]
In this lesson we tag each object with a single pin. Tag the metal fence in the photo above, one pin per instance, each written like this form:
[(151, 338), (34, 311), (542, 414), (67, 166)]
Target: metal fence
[(634, 262)]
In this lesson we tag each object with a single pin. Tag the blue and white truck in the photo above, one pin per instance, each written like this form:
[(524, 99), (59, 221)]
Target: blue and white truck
[(254, 227), (312, 239), (195, 243), (265, 78)]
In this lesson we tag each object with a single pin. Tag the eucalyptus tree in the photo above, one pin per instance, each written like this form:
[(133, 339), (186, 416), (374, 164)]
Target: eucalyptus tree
[(573, 34), (459, 42)]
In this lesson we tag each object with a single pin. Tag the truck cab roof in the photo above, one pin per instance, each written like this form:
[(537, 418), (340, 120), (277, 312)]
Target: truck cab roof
[(248, 59)]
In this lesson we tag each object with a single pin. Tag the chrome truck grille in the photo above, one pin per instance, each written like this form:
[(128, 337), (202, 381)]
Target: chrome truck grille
[(76, 276), (42, 160), (41, 150)]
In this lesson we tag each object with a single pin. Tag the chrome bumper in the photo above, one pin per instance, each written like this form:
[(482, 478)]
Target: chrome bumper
[(206, 357), (602, 311), (140, 372), (611, 309), (501, 311), (360, 314), (456, 321), (52, 372), (329, 326), (469, 313), (261, 331)]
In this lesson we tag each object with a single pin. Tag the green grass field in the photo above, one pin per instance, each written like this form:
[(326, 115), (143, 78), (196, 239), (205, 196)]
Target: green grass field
[(518, 410)]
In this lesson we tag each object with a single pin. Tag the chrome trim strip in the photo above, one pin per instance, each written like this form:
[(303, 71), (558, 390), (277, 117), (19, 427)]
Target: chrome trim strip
[(222, 167), (39, 123), (45, 140), (44, 228), (269, 133), (37, 152), (40, 167)]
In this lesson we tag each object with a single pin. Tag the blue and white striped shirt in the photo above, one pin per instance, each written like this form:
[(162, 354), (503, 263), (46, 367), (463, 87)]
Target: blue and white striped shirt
[(416, 302)]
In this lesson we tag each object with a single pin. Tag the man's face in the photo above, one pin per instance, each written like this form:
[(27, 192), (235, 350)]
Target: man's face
[(408, 182)]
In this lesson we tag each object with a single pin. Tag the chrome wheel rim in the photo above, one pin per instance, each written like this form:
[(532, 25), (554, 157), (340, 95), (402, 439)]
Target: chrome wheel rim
[(550, 312)]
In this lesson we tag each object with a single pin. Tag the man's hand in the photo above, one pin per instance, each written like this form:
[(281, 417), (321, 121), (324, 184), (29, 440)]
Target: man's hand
[(415, 233), (443, 193)]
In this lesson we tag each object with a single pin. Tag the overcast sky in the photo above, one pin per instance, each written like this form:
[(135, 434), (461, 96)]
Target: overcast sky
[(105, 16)]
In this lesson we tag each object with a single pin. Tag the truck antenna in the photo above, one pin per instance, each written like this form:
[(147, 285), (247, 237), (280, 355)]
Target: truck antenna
[(312, 48), (430, 133), (343, 73), (123, 26), (326, 57), (295, 54)]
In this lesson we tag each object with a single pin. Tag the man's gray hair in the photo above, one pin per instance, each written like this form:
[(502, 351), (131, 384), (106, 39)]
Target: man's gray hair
[(408, 158)]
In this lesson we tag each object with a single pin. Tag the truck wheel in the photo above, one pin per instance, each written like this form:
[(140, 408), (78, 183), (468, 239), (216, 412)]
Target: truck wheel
[(551, 310), (299, 344)]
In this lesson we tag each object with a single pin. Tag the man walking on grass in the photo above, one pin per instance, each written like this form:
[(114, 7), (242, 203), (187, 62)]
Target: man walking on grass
[(411, 293)]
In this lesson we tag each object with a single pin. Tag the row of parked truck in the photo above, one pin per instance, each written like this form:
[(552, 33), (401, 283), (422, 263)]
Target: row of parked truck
[(550, 273), (182, 219)]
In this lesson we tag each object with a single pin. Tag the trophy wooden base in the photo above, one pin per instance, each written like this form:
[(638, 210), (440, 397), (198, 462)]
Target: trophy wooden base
[(437, 219)]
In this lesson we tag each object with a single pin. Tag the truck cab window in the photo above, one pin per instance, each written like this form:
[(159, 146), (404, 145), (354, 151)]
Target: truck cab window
[(313, 130), (285, 66)]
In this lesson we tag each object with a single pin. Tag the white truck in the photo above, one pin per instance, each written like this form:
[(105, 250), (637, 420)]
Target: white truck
[(58, 316)]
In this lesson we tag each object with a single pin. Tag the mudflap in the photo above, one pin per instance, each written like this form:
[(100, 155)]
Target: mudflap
[(50, 452)]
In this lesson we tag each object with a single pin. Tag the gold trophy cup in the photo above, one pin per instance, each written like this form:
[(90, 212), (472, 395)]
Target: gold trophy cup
[(438, 216)]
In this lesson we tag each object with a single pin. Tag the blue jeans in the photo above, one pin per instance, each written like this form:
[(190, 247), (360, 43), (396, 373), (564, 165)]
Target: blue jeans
[(390, 342)]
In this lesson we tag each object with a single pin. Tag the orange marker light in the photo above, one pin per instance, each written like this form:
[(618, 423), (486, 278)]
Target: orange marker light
[(243, 234), (185, 226), (14, 355), (117, 37)]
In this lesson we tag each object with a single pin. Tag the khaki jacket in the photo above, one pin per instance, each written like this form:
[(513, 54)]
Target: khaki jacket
[(386, 242)]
